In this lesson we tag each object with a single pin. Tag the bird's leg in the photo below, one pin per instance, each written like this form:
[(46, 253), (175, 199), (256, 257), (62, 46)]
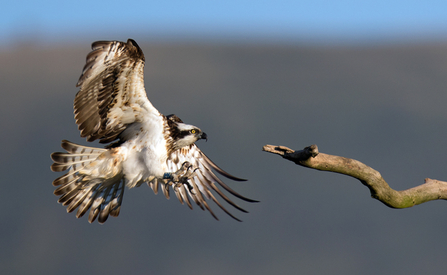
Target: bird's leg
[(181, 176)]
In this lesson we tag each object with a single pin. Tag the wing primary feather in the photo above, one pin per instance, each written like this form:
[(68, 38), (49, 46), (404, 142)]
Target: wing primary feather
[(165, 190), (221, 194), (221, 207), (178, 195), (154, 186), (195, 197), (218, 169), (204, 202), (209, 209), (198, 198), (226, 187), (185, 196), (213, 186)]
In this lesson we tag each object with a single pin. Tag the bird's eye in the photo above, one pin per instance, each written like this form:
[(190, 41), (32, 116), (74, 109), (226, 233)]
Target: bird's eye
[(193, 131)]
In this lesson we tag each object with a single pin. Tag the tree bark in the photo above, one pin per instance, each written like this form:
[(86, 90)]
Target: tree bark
[(310, 157)]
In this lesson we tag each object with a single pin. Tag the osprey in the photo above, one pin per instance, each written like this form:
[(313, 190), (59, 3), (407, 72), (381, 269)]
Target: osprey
[(144, 146)]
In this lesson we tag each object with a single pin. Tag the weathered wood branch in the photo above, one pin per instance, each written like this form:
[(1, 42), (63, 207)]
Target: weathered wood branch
[(310, 157)]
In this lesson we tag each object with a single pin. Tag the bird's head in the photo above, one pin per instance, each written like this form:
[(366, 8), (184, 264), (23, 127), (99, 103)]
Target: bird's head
[(182, 134), (187, 135)]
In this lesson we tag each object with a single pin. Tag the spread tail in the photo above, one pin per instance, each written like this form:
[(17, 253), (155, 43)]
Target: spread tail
[(83, 186)]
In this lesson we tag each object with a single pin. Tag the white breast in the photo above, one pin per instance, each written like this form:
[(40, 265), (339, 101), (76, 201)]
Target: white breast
[(146, 153)]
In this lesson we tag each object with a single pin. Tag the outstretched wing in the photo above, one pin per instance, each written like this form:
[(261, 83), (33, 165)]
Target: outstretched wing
[(202, 183), (112, 93)]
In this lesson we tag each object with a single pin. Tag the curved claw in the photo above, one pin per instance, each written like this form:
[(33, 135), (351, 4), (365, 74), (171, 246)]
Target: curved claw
[(181, 176)]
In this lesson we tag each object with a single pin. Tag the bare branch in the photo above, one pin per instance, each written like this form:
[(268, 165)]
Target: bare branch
[(310, 157)]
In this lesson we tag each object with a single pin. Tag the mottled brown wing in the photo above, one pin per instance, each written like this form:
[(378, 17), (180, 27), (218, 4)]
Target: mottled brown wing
[(112, 93)]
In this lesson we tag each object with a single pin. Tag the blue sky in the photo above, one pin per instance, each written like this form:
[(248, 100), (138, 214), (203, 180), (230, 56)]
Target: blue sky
[(296, 20)]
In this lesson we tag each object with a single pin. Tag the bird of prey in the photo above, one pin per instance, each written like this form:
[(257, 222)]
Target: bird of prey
[(143, 145)]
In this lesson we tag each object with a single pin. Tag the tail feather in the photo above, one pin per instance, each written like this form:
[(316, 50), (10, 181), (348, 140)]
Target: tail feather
[(68, 186), (62, 180), (111, 202), (74, 148), (67, 195), (72, 158), (115, 205), (79, 190), (77, 200), (85, 205), (57, 167)]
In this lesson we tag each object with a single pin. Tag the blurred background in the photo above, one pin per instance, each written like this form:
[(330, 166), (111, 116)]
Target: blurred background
[(361, 79)]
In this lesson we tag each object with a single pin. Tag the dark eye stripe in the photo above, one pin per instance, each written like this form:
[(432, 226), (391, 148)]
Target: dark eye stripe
[(182, 134)]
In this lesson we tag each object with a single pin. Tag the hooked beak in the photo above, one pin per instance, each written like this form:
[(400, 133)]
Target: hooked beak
[(204, 136)]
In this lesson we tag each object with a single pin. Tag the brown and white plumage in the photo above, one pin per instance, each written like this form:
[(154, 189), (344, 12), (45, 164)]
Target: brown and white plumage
[(148, 147)]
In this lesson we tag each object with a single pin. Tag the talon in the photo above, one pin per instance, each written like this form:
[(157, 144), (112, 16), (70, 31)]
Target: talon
[(186, 163), (177, 185), (190, 187), (181, 176)]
